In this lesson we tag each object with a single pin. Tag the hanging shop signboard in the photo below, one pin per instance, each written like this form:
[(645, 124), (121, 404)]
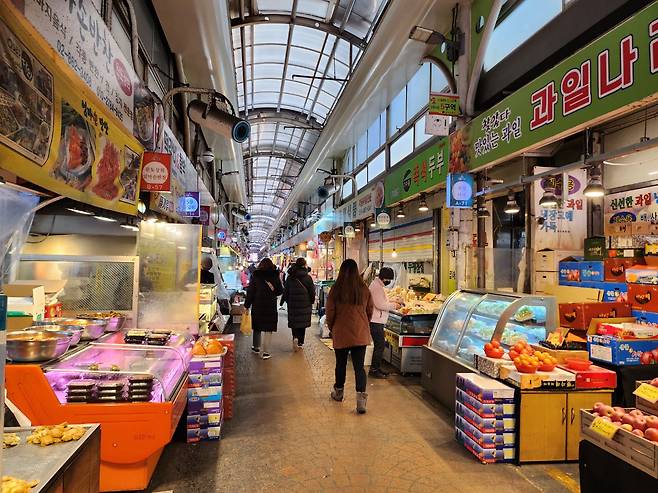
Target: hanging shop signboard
[(444, 104), (350, 232), (563, 228), (631, 213), (603, 79), (425, 171), (438, 125), (221, 235), (54, 131), (189, 204), (77, 32), (204, 215), (156, 172), (383, 216), (360, 207), (460, 190)]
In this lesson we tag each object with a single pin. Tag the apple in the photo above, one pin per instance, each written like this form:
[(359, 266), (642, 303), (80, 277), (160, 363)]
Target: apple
[(607, 411), (600, 405), (627, 427), (628, 419), (605, 418), (651, 434), (653, 382), (617, 413), (639, 433), (596, 414), (617, 424), (641, 423), (654, 353), (652, 421), (646, 358), (636, 412)]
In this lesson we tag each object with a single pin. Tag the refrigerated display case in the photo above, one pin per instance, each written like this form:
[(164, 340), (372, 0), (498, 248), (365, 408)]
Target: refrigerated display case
[(137, 393), (405, 336), (471, 318)]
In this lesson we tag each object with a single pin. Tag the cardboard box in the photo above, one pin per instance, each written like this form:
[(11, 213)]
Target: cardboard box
[(556, 379), (579, 315), (485, 440), (18, 323), (625, 253), (574, 284), (615, 268), (543, 280), (195, 421), (206, 394), (618, 351), (485, 389), (644, 228), (595, 323), (569, 269), (613, 291), (485, 455), (3, 312), (206, 365), (204, 434), (26, 298), (592, 270), (485, 410), (196, 405), (595, 248), (546, 260), (561, 355), (594, 378), (643, 297), (204, 380), (485, 425), (643, 274), (645, 318)]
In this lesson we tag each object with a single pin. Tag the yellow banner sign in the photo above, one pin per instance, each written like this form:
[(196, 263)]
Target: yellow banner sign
[(647, 392), (604, 428), (54, 131)]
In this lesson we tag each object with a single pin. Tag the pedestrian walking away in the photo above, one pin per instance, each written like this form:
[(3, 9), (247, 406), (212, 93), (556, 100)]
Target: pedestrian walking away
[(349, 310), (379, 318), (262, 293), (299, 294)]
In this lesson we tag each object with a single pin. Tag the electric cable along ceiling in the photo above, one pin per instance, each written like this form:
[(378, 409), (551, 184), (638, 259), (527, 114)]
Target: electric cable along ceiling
[(293, 59)]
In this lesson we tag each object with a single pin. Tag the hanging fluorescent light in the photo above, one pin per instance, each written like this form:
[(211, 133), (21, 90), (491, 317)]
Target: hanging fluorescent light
[(422, 207), (511, 207), (79, 211), (400, 214), (106, 219), (594, 188), (357, 229), (548, 199)]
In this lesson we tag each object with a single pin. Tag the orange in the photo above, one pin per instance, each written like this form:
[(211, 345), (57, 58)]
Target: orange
[(198, 349), (214, 347)]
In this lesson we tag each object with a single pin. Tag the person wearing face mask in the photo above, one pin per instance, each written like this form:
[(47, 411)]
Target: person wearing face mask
[(379, 317)]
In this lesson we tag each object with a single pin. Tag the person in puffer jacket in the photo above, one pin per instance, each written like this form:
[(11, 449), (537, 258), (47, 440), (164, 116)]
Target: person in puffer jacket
[(379, 318), (299, 293)]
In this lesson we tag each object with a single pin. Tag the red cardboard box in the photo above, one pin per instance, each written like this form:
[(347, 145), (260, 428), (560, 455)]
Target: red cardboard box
[(643, 297), (594, 378), (615, 268), (579, 315)]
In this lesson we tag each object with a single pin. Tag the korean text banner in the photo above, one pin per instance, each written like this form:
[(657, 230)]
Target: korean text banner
[(603, 79), (625, 213), (54, 131), (427, 170)]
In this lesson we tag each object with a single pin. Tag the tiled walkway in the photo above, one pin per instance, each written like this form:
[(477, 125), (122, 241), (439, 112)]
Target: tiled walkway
[(288, 435)]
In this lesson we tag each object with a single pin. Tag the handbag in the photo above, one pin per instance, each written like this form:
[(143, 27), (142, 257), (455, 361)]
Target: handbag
[(245, 323)]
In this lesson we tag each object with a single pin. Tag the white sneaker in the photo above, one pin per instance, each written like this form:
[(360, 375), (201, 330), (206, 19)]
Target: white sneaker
[(266, 356), (295, 345)]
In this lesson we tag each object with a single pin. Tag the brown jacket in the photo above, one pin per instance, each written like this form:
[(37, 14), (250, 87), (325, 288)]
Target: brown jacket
[(350, 324)]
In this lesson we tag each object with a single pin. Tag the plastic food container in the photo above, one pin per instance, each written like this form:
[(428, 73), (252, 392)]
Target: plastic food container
[(578, 364)]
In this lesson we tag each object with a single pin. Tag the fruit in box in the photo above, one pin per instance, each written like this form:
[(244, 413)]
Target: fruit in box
[(647, 358), (493, 350), (654, 382), (651, 434)]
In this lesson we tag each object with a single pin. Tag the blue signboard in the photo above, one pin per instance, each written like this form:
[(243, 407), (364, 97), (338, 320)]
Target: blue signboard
[(189, 205), (460, 188)]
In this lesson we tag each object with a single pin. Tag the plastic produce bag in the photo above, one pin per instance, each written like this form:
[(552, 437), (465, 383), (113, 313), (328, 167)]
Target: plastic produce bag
[(245, 324), (16, 215), (324, 328)]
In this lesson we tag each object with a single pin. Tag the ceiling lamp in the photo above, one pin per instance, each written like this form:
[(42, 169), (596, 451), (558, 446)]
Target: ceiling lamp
[(594, 188), (483, 212), (394, 253), (511, 207), (373, 222), (141, 207), (400, 214), (357, 229), (548, 199), (106, 219), (80, 211), (422, 207)]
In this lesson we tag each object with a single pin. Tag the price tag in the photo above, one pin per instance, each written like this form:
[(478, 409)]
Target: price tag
[(604, 428), (647, 392)]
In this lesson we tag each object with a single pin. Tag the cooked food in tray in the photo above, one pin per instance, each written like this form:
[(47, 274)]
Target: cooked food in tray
[(10, 440), (15, 485), (49, 435)]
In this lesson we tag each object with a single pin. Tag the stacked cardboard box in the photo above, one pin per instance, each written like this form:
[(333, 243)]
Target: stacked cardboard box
[(229, 383), (204, 398), (484, 417)]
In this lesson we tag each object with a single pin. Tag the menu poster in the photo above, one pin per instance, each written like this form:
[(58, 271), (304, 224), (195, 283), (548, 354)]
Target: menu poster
[(54, 131)]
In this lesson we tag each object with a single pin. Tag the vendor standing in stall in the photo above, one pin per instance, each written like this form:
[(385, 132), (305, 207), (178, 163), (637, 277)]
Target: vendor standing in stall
[(379, 318)]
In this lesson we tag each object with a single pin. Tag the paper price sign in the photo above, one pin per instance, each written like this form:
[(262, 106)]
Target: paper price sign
[(604, 428), (647, 392)]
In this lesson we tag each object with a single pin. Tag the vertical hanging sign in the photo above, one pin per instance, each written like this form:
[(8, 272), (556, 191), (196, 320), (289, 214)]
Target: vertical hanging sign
[(156, 172)]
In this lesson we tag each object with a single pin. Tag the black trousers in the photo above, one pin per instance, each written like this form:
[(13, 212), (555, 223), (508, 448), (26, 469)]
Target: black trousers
[(377, 334), (358, 356), (299, 334)]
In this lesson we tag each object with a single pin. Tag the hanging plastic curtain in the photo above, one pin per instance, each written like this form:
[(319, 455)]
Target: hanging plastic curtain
[(16, 215)]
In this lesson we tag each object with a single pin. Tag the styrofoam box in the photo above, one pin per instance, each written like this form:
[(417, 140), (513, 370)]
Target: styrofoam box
[(544, 281), (485, 440), (484, 454), (485, 425), (486, 410), (485, 389)]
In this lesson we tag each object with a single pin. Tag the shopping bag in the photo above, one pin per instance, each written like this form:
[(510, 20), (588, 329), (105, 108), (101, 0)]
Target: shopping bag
[(245, 324)]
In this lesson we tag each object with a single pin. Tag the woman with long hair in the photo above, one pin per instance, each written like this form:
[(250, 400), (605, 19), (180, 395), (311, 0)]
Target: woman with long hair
[(349, 309), (264, 288)]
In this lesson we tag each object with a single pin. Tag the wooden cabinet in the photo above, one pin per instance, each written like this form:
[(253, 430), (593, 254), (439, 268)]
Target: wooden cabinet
[(549, 423)]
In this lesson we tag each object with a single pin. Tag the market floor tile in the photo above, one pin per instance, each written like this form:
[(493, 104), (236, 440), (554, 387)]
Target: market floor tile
[(288, 435)]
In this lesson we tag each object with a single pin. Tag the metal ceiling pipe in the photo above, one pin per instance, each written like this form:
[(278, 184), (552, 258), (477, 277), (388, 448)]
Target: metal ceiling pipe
[(187, 136)]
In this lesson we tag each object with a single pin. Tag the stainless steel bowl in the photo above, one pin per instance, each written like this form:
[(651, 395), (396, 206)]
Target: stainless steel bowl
[(73, 333), (114, 323), (91, 329), (31, 346)]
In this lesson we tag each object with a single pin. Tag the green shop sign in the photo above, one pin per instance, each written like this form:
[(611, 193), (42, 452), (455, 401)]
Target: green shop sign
[(612, 74), (424, 171)]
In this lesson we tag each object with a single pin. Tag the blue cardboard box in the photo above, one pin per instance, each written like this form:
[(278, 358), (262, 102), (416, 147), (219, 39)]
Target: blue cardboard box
[(569, 270), (591, 284), (646, 318), (571, 283), (592, 270), (613, 291), (618, 352), (207, 394)]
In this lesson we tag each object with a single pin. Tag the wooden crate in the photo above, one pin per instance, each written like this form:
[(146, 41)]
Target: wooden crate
[(562, 355), (638, 452), (643, 404), (557, 379)]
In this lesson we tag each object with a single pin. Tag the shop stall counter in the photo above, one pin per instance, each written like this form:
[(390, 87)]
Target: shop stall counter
[(137, 394), (405, 337)]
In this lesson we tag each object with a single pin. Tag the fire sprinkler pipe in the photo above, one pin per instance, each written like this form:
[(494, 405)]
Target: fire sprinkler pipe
[(474, 79), (186, 122)]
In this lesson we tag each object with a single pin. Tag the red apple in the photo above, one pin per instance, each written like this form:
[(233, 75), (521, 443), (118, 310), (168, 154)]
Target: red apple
[(639, 433), (636, 412), (628, 419), (607, 411), (654, 353), (617, 413), (596, 414), (641, 423), (600, 405), (605, 418), (627, 427), (651, 434), (652, 421), (646, 358), (654, 382)]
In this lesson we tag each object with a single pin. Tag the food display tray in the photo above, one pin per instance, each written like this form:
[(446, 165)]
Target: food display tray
[(33, 462), (636, 451)]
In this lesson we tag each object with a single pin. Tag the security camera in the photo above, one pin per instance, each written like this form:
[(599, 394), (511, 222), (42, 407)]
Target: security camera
[(208, 156), (241, 214), (326, 192), (211, 117)]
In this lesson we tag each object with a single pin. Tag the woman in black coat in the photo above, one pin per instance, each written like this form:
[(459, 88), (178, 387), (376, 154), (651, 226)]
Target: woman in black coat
[(264, 288), (299, 293)]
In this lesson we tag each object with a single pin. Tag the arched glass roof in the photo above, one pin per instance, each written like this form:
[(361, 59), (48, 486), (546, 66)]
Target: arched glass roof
[(293, 59)]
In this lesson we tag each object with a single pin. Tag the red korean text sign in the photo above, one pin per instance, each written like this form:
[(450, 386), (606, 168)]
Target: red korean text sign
[(156, 172)]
